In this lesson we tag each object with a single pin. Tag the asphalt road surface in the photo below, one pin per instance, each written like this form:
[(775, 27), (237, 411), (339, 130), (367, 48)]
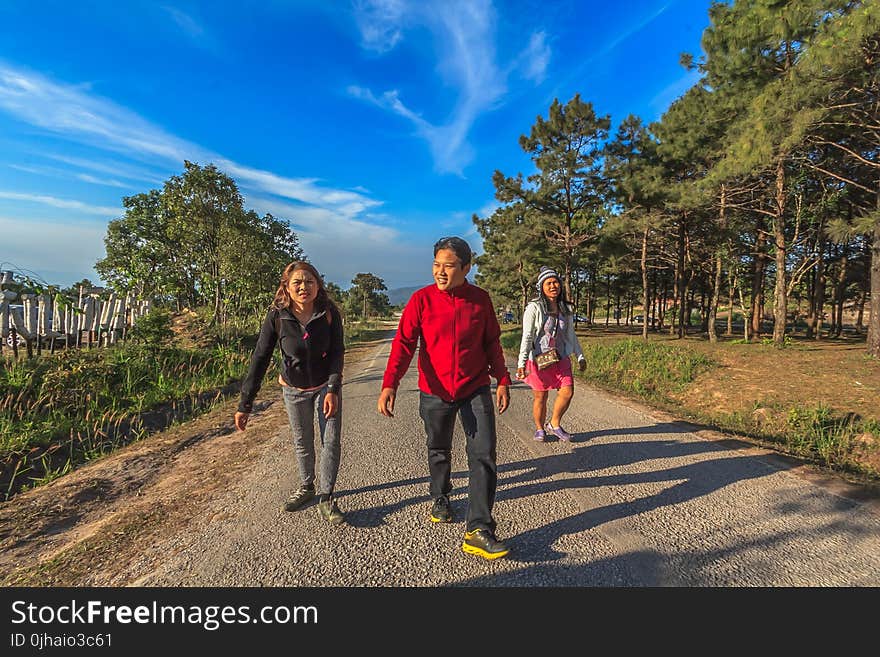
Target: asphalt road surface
[(632, 501)]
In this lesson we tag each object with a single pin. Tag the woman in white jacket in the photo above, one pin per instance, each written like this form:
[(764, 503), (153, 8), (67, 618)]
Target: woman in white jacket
[(548, 323)]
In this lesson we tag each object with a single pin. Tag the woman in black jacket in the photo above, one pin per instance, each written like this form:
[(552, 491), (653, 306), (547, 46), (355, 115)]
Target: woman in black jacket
[(307, 327)]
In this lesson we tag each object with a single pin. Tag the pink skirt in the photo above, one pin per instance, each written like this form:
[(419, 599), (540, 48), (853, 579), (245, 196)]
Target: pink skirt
[(557, 376)]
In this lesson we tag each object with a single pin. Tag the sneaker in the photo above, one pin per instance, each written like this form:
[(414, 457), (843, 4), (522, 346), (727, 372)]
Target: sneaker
[(483, 543), (540, 435), (441, 512), (559, 432), (330, 512), (299, 498)]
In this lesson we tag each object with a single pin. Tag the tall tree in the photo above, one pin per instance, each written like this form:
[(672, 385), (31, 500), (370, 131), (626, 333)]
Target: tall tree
[(364, 291), (635, 176), (568, 190), (207, 209)]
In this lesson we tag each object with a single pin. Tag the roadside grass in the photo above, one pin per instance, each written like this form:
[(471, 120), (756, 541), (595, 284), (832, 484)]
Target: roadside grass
[(59, 411), (678, 376), (648, 370), (365, 331)]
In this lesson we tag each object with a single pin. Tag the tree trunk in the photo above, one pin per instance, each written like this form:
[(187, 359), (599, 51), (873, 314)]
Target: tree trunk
[(860, 314), (817, 303), (840, 292), (758, 267), (678, 284), (874, 313), (716, 286), (730, 285), (780, 298), (608, 300), (644, 267)]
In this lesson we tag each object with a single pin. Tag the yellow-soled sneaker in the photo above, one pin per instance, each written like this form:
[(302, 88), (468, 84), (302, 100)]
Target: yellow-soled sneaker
[(484, 544)]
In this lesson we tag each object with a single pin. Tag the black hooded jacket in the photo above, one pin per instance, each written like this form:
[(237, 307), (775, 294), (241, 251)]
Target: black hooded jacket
[(311, 356)]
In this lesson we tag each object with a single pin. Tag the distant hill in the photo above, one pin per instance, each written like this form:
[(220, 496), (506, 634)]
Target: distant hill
[(401, 295)]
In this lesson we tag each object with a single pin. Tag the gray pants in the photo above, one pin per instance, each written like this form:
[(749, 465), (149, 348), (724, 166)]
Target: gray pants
[(302, 408)]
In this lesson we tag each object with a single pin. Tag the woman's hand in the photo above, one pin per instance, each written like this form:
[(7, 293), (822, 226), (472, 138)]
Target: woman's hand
[(241, 420), (331, 404), (520, 373)]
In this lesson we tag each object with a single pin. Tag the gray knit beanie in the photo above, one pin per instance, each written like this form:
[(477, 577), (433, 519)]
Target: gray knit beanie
[(544, 274)]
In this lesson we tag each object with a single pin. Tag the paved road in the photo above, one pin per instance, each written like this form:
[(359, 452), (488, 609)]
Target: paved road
[(633, 501)]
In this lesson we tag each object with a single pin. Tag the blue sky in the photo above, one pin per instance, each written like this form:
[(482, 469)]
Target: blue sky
[(373, 126)]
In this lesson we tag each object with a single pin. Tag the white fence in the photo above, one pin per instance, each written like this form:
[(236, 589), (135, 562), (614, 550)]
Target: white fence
[(31, 319)]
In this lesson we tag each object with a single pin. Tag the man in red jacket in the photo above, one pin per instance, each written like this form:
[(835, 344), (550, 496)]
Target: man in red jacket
[(459, 334)]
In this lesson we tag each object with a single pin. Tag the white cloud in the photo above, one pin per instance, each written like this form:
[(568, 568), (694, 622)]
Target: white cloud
[(299, 189), (536, 58), (100, 181), (72, 113), (113, 168), (185, 22), (380, 23), (64, 204), (341, 247), (464, 34)]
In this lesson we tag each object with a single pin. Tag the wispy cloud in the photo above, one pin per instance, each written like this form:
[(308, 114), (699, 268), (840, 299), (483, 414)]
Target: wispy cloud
[(535, 58), (192, 29), (113, 168), (72, 113), (380, 23), (342, 249), (56, 172), (185, 22), (100, 181), (607, 47), (465, 34), (64, 204)]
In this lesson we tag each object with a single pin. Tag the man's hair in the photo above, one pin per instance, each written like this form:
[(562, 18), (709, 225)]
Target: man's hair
[(458, 246)]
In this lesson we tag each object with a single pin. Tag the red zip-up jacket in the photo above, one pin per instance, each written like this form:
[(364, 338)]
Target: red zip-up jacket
[(459, 347)]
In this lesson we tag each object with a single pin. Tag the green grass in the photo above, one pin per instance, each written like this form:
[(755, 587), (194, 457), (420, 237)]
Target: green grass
[(58, 411), (818, 433), (649, 370)]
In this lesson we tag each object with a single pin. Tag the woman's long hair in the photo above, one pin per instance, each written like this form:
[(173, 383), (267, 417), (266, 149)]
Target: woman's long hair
[(282, 295)]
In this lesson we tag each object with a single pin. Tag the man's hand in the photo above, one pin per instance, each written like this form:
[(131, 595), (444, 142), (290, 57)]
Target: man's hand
[(386, 402), (582, 364), (331, 404), (503, 397), (241, 420), (520, 373)]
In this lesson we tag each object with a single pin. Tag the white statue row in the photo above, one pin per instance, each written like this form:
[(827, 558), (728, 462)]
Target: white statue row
[(33, 315)]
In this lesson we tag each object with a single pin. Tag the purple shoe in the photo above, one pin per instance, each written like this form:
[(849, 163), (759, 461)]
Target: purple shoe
[(559, 432), (540, 435)]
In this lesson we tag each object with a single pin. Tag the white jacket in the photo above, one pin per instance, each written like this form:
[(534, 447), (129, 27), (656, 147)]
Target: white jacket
[(533, 322)]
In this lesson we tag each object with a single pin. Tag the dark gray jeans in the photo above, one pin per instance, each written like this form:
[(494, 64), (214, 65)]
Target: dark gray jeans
[(477, 415), (302, 409)]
